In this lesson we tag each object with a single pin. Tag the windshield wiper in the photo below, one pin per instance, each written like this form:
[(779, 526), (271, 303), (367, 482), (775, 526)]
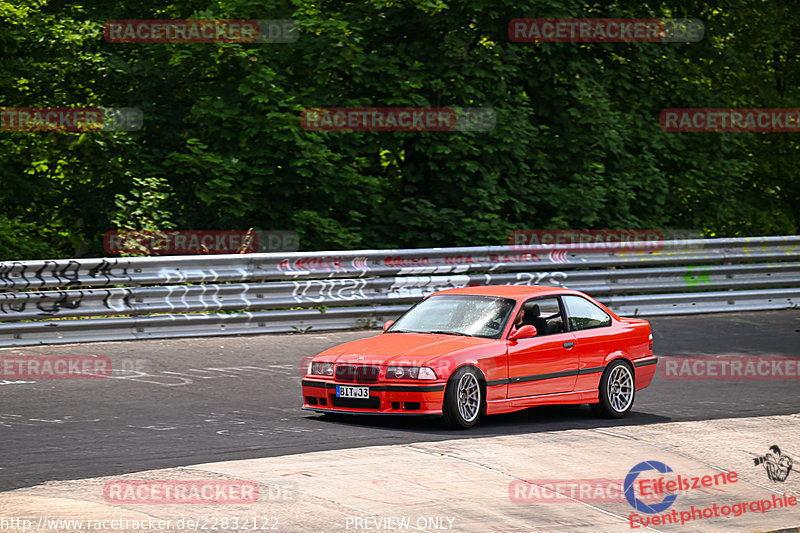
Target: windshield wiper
[(449, 333)]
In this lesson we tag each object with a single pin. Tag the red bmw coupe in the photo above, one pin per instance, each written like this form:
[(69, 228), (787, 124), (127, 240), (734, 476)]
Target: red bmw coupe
[(463, 353)]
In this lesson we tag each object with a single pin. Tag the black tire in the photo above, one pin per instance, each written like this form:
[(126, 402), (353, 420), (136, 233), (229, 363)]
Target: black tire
[(617, 391), (463, 398)]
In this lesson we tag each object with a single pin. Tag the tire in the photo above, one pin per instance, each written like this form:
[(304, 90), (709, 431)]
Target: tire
[(617, 391), (463, 399)]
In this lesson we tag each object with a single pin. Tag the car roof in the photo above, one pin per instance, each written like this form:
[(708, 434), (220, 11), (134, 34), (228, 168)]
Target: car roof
[(517, 292)]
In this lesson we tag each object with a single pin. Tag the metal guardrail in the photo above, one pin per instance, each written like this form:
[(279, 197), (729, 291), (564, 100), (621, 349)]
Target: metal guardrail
[(60, 301)]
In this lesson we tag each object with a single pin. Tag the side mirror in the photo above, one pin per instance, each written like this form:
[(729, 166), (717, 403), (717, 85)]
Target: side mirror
[(387, 324), (523, 333)]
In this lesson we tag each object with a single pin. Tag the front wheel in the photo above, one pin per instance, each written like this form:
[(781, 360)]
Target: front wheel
[(463, 399), (616, 391)]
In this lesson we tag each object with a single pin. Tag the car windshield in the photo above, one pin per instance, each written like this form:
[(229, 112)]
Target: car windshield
[(458, 314)]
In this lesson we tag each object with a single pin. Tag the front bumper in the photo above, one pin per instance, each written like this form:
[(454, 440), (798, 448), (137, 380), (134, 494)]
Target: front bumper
[(389, 398)]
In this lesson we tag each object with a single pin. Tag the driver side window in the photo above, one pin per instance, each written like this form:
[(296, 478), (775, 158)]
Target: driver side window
[(544, 314)]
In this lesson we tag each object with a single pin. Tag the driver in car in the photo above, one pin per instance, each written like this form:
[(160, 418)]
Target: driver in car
[(531, 310), (520, 318)]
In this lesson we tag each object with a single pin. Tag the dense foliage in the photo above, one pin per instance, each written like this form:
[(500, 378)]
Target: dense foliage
[(577, 142)]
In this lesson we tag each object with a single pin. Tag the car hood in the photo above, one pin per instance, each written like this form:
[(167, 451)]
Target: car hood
[(401, 348)]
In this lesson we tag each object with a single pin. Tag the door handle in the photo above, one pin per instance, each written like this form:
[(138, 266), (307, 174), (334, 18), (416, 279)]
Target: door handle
[(569, 344)]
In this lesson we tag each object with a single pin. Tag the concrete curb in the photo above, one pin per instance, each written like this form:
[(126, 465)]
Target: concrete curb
[(457, 485)]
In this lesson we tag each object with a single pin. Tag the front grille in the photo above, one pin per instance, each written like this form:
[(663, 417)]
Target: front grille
[(356, 403), (363, 374)]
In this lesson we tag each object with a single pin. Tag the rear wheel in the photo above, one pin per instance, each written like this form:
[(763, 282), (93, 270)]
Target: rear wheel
[(463, 399), (616, 391)]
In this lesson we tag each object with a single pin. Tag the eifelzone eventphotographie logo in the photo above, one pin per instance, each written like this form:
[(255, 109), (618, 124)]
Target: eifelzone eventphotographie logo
[(777, 464)]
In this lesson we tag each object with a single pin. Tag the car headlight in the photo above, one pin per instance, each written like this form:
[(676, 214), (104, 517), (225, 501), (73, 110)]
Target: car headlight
[(410, 372), (320, 369)]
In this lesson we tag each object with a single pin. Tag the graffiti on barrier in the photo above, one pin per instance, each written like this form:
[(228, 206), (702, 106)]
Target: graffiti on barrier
[(49, 303), (111, 270), (307, 265), (15, 274), (541, 278), (422, 286), (329, 289), (53, 303), (419, 287), (19, 275)]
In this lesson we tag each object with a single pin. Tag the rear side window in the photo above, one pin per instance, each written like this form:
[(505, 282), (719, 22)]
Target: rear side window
[(583, 314)]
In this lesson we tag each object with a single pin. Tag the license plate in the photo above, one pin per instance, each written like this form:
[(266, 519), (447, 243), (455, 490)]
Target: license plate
[(345, 391)]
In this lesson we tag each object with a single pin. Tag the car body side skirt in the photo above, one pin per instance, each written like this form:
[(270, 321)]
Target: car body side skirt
[(513, 404)]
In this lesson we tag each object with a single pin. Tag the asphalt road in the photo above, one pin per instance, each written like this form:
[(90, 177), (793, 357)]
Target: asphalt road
[(188, 401)]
